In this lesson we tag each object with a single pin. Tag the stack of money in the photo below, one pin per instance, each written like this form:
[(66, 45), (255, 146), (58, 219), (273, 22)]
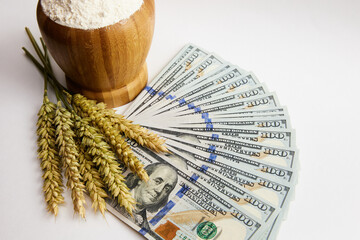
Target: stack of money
[(232, 166)]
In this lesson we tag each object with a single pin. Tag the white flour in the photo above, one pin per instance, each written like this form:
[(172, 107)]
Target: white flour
[(89, 14)]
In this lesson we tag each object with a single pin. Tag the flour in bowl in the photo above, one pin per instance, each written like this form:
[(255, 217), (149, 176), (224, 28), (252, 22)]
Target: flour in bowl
[(89, 14)]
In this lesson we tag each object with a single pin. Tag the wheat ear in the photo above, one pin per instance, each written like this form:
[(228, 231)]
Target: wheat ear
[(93, 182), (68, 152), (134, 131), (48, 154), (107, 164), (112, 136)]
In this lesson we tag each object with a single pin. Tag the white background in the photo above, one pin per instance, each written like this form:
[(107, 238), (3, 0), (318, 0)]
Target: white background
[(307, 51)]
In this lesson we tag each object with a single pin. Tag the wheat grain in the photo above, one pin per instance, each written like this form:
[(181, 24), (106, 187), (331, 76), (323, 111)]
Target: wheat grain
[(48, 154), (93, 182), (68, 152), (112, 136), (134, 131), (106, 162)]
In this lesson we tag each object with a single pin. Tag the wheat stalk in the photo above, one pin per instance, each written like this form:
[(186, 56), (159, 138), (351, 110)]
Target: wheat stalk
[(48, 154), (93, 182), (68, 152), (112, 136), (134, 131), (106, 162)]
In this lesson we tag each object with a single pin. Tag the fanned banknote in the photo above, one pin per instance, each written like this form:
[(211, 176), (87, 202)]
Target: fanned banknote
[(233, 162)]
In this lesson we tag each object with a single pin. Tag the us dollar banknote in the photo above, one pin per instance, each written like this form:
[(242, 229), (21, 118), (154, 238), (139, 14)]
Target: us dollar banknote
[(191, 59), (232, 151), (257, 90), (209, 63), (281, 170), (269, 113), (240, 195), (189, 79), (279, 138), (173, 204), (184, 52), (260, 102), (210, 85), (273, 188)]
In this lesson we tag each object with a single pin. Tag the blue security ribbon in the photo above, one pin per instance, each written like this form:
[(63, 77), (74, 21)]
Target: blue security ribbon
[(182, 191), (198, 109), (160, 93), (182, 101), (204, 168), (150, 90), (191, 105), (212, 158), (212, 148), (215, 136), (162, 213), (205, 115), (171, 97), (194, 178), (143, 231), (209, 127), (207, 120)]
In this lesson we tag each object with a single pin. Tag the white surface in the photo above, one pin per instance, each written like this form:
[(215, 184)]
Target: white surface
[(306, 51)]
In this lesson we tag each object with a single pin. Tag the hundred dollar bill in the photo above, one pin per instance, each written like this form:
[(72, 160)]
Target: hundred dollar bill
[(279, 138), (209, 123), (246, 117), (239, 195), (277, 172), (183, 53), (263, 207), (193, 80), (192, 59), (269, 112), (260, 102), (271, 233), (208, 169), (257, 90), (174, 204), (283, 138), (276, 130), (270, 187), (281, 156), (205, 66), (255, 204), (193, 91)]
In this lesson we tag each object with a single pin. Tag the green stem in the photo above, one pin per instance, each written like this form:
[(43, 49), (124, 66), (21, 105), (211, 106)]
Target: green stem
[(46, 54), (43, 57), (46, 68), (60, 89), (49, 77), (36, 46), (39, 66), (45, 83)]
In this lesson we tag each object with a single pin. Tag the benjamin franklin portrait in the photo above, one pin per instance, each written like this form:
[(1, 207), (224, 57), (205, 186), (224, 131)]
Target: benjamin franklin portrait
[(152, 195)]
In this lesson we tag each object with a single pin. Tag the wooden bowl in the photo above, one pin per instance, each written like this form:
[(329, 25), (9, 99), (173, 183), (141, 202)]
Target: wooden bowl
[(106, 64)]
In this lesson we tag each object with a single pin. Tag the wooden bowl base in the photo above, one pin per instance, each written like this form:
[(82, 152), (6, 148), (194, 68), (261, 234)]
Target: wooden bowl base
[(114, 97)]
